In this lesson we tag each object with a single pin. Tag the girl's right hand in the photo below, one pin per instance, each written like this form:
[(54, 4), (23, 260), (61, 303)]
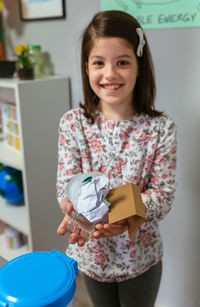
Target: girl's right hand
[(67, 207)]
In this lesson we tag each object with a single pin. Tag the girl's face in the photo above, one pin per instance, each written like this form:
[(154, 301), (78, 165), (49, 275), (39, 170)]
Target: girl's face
[(112, 69)]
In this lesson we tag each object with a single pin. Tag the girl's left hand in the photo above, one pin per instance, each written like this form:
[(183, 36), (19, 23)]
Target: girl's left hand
[(110, 230)]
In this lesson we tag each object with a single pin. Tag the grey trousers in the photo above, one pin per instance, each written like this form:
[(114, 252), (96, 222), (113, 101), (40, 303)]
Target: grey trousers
[(140, 291)]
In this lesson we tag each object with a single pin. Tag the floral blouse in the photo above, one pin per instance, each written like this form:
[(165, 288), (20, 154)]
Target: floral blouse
[(141, 150)]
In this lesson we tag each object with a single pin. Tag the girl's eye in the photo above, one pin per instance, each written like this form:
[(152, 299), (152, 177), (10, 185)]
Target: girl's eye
[(98, 63), (122, 63)]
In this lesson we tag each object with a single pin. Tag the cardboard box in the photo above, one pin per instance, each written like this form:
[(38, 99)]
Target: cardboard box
[(126, 203)]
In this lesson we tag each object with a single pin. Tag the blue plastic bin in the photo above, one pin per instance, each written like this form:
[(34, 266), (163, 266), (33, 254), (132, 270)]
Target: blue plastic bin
[(38, 279)]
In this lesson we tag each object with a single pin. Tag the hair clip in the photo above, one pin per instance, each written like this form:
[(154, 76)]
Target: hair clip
[(141, 42)]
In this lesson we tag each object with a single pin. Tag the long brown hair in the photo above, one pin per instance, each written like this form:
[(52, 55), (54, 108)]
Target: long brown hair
[(122, 25)]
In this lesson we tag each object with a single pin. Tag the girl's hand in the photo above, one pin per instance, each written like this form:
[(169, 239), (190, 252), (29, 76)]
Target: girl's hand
[(67, 207), (110, 230)]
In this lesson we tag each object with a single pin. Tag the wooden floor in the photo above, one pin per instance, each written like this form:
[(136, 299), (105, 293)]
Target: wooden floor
[(81, 297)]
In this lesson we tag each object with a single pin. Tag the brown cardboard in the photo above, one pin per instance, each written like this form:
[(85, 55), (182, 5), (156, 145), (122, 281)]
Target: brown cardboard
[(126, 203)]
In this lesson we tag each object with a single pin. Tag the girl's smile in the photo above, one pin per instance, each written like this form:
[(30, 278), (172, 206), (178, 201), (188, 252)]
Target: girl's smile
[(112, 70), (111, 88)]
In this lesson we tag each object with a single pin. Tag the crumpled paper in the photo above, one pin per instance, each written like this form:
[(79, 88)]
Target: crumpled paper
[(87, 193)]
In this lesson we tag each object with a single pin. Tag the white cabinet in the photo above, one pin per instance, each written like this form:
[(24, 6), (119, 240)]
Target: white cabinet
[(40, 104)]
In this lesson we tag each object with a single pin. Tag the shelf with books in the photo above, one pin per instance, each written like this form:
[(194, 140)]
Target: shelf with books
[(39, 105)]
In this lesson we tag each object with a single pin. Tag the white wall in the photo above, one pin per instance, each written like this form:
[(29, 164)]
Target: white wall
[(176, 57)]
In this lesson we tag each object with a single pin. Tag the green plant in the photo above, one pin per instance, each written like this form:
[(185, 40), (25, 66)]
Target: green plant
[(22, 55)]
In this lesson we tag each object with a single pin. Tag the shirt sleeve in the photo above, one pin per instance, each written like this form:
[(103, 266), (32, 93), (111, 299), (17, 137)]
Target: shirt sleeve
[(69, 157), (161, 186)]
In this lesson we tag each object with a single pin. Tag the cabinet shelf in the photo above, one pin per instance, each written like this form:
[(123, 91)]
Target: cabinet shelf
[(13, 83), (15, 216), (8, 83), (39, 104), (10, 157), (9, 254)]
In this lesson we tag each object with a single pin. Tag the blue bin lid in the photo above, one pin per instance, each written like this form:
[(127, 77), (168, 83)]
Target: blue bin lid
[(38, 279)]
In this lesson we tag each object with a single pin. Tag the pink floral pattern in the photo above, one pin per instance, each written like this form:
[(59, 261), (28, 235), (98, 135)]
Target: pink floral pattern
[(141, 150)]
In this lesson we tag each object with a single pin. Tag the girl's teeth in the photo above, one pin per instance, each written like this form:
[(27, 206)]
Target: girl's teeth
[(111, 87)]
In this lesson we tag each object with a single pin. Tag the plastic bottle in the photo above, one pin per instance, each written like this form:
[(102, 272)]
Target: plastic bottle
[(80, 225), (36, 58)]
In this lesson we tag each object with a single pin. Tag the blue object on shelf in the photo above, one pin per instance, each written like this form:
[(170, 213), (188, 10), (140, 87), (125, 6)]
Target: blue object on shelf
[(11, 186), (38, 279)]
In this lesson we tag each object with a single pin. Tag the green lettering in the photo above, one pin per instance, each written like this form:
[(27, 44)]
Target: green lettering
[(145, 19), (160, 18), (193, 16), (172, 18)]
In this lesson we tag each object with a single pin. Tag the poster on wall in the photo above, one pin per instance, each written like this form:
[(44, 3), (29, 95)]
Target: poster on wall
[(156, 14), (41, 9)]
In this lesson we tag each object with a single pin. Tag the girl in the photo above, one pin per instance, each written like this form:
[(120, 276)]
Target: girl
[(118, 131)]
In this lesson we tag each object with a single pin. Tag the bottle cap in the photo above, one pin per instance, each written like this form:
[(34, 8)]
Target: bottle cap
[(33, 47), (38, 279)]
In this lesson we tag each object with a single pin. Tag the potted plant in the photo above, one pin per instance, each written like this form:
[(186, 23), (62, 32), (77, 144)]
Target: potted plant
[(23, 64)]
